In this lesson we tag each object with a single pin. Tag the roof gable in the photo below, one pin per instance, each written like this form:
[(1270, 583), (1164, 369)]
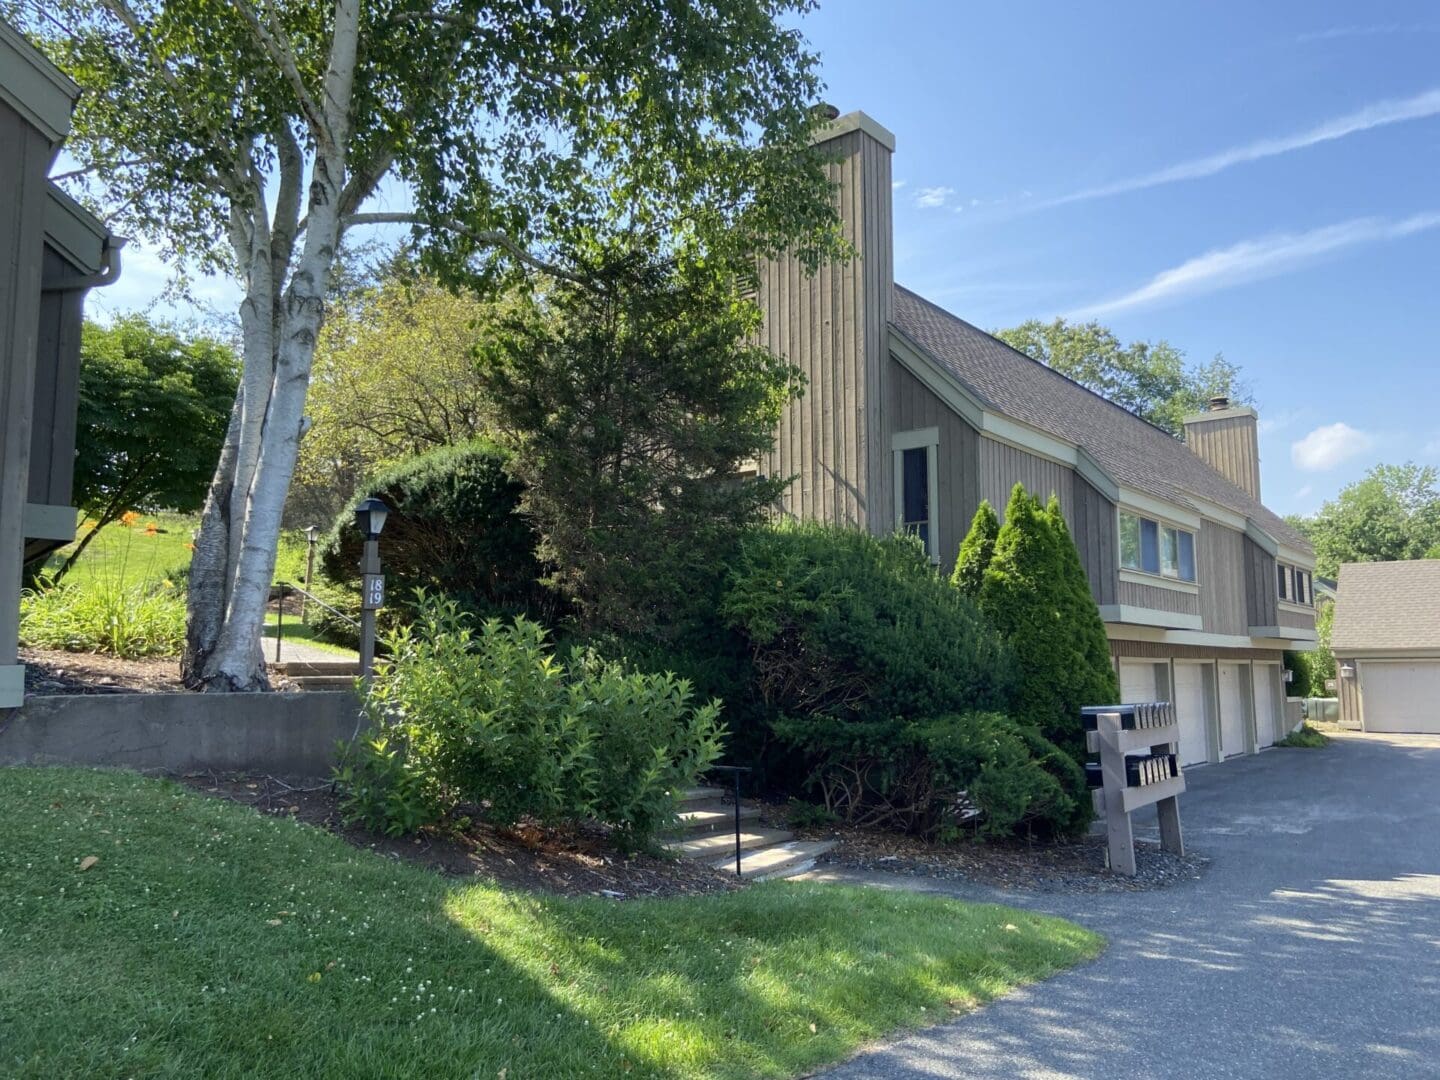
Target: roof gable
[(1132, 451), (1388, 605)]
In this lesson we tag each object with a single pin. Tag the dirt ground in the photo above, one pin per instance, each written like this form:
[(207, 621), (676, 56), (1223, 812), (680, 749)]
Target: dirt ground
[(567, 863), (53, 671)]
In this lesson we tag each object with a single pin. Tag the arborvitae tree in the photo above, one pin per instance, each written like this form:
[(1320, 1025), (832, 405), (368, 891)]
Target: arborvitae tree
[(976, 551), (1036, 595)]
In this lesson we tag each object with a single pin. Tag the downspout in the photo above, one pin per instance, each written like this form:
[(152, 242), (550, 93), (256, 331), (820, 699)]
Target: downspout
[(110, 253)]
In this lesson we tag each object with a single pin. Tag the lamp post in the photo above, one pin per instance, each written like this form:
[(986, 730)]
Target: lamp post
[(311, 533), (370, 518)]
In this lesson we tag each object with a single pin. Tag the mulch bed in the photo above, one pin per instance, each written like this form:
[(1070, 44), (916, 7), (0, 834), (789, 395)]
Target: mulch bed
[(54, 671), (1076, 866), (568, 864)]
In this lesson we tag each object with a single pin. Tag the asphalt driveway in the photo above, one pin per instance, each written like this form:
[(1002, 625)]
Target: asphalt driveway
[(1311, 947)]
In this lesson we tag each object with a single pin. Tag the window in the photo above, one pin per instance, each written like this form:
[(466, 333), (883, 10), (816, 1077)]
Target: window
[(1153, 548), (915, 493), (915, 490), (1295, 584)]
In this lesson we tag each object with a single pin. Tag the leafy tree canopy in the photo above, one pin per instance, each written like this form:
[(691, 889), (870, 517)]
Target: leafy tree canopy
[(1151, 379), (153, 409), (1392, 514)]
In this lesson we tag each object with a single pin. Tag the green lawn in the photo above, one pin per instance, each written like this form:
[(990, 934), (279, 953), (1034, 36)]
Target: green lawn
[(295, 630), (132, 554), (210, 941)]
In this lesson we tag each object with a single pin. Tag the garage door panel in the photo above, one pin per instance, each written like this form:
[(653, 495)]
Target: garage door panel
[(1137, 683), (1401, 697), (1190, 711), (1264, 676), (1234, 688)]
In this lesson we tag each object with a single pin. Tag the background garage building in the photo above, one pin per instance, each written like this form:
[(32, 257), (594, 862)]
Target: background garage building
[(1386, 640)]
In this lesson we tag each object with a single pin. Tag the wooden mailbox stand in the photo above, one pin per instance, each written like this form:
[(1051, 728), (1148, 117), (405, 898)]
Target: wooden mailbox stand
[(1127, 784)]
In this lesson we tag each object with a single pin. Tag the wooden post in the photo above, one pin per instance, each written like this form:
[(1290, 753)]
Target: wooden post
[(369, 571), (1152, 730), (1118, 830)]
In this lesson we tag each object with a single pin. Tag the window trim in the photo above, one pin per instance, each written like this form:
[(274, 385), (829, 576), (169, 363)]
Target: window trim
[(1157, 577), (1290, 596), (927, 439)]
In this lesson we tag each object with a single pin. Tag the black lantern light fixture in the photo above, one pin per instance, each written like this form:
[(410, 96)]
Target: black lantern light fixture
[(370, 517)]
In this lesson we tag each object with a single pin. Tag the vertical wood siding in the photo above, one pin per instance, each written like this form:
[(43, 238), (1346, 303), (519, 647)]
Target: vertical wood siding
[(910, 404), (57, 387), (1262, 601), (1157, 598), (834, 326), (1093, 524), (1231, 446), (1220, 556), (1002, 466), (22, 213), (1304, 620)]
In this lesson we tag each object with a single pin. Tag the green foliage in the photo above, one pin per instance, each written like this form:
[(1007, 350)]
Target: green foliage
[(455, 527), (1314, 667), (1151, 379), (630, 409), (1392, 514), (104, 615), (1305, 737), (1005, 770), (1038, 598), (488, 715), (255, 909), (152, 412), (887, 682), (976, 551)]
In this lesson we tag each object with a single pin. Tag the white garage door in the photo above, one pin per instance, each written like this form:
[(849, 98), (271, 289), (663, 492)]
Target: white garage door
[(1264, 704), (1234, 687), (1401, 696), (1137, 683), (1190, 710)]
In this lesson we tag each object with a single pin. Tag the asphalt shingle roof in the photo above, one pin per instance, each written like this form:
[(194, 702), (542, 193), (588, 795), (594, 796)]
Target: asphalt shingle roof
[(1388, 605), (1133, 452)]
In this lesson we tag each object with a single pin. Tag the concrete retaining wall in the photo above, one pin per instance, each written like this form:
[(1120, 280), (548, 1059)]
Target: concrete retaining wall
[(280, 734)]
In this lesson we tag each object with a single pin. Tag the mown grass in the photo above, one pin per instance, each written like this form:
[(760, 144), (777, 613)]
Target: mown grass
[(210, 941), (1305, 737), (295, 630)]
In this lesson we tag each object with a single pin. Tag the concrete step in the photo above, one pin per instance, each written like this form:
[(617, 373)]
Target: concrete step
[(322, 682), (700, 794), (778, 860), (295, 668), (715, 845), (719, 818)]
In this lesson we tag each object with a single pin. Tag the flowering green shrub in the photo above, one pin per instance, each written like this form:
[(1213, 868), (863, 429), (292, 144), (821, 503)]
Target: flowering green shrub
[(104, 615), (487, 715)]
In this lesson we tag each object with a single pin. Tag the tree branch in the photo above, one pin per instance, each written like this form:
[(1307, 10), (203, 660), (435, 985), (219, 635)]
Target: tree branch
[(276, 43), (123, 163), (483, 237)]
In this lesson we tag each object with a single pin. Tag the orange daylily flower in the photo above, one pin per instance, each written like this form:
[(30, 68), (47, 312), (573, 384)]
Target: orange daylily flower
[(128, 518), (151, 528)]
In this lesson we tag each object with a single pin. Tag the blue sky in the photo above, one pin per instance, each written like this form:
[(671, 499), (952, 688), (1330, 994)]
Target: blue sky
[(1252, 179)]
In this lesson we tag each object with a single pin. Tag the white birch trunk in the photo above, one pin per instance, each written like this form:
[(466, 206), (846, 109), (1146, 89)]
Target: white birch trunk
[(240, 529)]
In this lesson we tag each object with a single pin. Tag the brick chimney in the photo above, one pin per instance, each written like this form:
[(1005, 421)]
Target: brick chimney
[(1227, 438), (834, 326)]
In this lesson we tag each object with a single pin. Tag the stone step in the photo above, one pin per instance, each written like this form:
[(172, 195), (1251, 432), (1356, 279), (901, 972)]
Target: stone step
[(715, 845), (322, 682), (295, 668), (719, 818), (778, 860), (700, 794)]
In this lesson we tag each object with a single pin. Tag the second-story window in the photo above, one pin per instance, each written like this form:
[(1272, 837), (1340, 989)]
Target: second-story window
[(1294, 584), (1154, 547), (916, 491)]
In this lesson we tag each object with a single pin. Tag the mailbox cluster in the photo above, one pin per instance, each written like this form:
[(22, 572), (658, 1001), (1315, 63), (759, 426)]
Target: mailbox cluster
[(1150, 769), (1136, 745)]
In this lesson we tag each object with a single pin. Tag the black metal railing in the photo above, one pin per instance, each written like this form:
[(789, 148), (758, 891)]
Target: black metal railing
[(734, 771), (285, 590)]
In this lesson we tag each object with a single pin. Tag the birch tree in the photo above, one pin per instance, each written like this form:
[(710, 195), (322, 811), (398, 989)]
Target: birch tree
[(254, 135)]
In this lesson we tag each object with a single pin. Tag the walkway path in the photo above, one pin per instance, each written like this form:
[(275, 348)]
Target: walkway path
[(1310, 948)]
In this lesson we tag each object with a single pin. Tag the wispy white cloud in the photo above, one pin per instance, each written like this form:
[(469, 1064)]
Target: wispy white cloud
[(1328, 446), (1305, 491), (1252, 260), (1374, 30), (1380, 114), (896, 185), (927, 198)]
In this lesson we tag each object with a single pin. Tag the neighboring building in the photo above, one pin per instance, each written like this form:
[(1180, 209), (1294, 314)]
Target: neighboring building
[(51, 252), (911, 416), (1386, 641)]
